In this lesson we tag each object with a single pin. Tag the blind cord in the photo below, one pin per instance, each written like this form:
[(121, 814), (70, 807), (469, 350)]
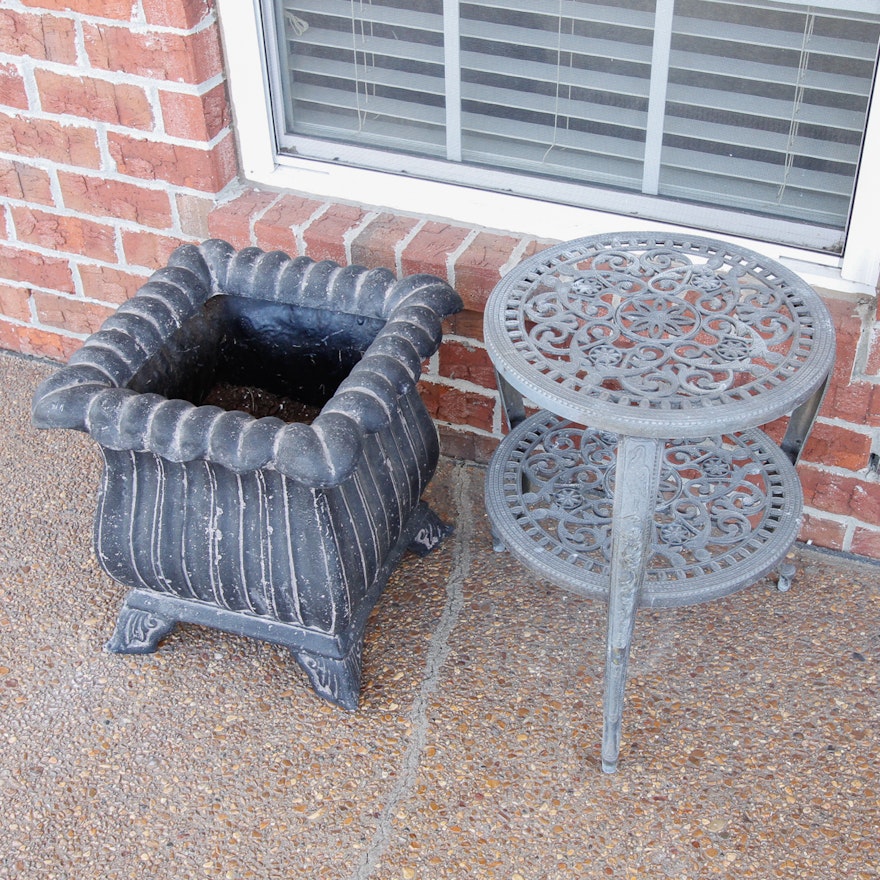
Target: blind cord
[(355, 22), (794, 123), (558, 84)]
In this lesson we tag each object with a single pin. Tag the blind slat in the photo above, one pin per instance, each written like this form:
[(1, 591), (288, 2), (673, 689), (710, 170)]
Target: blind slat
[(324, 123), (754, 195), (595, 144), (498, 39), (624, 14), (349, 14), (328, 69), (321, 39), (748, 37), (479, 68), (517, 105), (371, 104), (580, 165), (770, 74), (780, 143), (763, 110), (741, 169)]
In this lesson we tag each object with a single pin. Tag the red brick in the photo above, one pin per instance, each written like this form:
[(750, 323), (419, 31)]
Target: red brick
[(837, 447), (822, 532), (41, 138), (72, 235), (196, 117), (206, 170), (872, 415), (42, 37), (448, 404), (35, 341), (842, 495), (478, 269), (68, 313), (95, 99), (848, 330), (21, 181), (462, 361), (775, 430), (430, 248), (231, 221), (148, 249), (325, 236), (14, 302), (104, 8), (872, 367), (183, 14), (856, 402), (38, 270), (191, 58), (193, 212), (109, 284), (12, 91), (376, 245), (843, 309), (273, 230), (845, 357), (112, 198), (866, 542), (466, 445), (465, 323)]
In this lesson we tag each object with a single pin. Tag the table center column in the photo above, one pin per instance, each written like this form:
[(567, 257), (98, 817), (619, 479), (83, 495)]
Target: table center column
[(635, 497)]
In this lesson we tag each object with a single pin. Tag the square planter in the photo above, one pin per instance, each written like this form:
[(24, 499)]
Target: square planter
[(282, 531)]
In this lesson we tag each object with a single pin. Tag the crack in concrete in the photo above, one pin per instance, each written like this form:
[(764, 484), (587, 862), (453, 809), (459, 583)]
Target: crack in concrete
[(436, 659)]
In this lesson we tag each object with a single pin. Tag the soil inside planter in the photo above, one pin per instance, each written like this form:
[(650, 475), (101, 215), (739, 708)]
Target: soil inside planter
[(262, 358), (260, 403)]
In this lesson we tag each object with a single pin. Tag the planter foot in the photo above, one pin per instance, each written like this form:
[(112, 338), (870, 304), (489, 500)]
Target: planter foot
[(138, 632), (430, 532), (337, 681)]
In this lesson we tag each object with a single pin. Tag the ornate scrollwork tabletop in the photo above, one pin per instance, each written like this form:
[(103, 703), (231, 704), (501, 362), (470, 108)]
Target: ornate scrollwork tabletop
[(725, 509), (654, 336)]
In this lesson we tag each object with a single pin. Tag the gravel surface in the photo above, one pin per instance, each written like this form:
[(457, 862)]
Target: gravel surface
[(751, 738)]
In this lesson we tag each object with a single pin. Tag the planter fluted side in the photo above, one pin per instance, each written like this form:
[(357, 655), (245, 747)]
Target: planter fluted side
[(282, 531)]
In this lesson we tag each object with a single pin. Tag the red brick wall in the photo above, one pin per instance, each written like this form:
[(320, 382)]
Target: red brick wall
[(115, 147), (115, 141)]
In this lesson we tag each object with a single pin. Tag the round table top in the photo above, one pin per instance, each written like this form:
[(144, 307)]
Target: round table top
[(658, 335)]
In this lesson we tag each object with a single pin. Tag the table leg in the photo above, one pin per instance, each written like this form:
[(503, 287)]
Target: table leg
[(635, 496), (801, 423), (511, 400)]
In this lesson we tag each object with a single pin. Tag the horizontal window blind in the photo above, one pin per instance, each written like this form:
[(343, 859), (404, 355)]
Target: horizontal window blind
[(754, 106), (558, 88), (766, 107), (365, 72)]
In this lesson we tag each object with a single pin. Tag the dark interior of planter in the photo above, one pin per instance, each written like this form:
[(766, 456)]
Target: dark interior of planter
[(264, 357)]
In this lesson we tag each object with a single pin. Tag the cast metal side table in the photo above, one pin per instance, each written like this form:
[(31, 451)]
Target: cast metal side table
[(644, 479)]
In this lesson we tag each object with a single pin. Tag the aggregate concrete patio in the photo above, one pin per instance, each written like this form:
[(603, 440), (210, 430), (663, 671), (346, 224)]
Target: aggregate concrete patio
[(751, 743)]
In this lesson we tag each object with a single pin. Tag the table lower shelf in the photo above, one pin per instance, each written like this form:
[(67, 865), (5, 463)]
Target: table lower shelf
[(728, 509)]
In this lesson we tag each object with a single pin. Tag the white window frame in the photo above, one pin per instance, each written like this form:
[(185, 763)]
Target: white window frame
[(856, 271)]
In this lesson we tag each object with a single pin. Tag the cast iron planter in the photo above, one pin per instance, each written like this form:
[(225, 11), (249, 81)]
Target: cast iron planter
[(281, 531)]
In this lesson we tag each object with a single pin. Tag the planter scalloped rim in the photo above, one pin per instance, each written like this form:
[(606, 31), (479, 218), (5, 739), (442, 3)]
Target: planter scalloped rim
[(282, 531)]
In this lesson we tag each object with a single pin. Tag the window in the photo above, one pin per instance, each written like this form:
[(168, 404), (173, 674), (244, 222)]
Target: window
[(567, 117), (756, 106)]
